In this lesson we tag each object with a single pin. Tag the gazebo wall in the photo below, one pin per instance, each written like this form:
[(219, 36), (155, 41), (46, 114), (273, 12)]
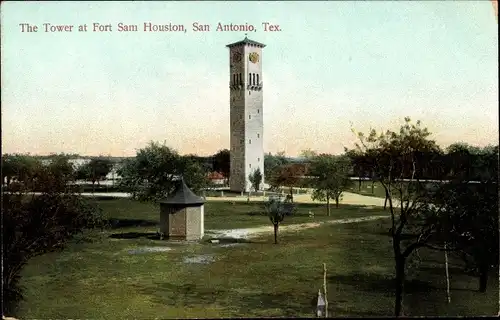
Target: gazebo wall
[(194, 222), (173, 221)]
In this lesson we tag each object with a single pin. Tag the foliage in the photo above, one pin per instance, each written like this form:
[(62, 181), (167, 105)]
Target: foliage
[(473, 228), (95, 170), (36, 224), (153, 173), (222, 163), (19, 168), (255, 179), (271, 165), (331, 177), (277, 209), (289, 175), (308, 154), (393, 157)]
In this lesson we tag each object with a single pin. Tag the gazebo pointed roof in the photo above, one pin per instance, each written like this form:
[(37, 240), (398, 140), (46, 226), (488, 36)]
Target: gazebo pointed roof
[(183, 196), (245, 42)]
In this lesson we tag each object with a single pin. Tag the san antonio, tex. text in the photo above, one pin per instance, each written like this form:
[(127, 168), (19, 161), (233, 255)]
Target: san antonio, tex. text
[(149, 27)]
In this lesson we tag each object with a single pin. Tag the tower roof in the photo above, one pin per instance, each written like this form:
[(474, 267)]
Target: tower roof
[(183, 195), (246, 41)]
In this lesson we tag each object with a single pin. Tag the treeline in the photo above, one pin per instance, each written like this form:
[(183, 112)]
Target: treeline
[(452, 215), (25, 171)]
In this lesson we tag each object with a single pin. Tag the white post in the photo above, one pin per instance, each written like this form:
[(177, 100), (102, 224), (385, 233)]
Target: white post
[(324, 290), (202, 220), (447, 275)]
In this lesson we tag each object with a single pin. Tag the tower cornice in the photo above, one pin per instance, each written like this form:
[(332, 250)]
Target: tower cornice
[(246, 41)]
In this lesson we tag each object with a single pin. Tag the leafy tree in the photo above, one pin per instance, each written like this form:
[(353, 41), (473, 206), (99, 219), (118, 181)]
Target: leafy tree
[(415, 219), (153, 173), (36, 224), (290, 175), (255, 179), (95, 170), (331, 178), (356, 163), (19, 168), (222, 163), (472, 195), (308, 154), (272, 163), (277, 209)]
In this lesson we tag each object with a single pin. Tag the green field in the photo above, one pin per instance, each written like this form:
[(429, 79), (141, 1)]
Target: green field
[(101, 279)]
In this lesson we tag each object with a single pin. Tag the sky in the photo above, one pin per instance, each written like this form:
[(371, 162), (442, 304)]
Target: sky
[(334, 65)]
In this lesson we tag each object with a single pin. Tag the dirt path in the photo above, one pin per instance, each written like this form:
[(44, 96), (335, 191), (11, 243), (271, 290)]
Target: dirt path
[(255, 232), (348, 198)]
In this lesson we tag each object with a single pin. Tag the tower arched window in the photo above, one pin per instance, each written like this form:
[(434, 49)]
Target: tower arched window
[(234, 78), (240, 80), (253, 78), (258, 79), (249, 79)]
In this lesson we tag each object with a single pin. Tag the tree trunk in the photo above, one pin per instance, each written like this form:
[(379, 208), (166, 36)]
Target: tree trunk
[(448, 296), (359, 183), (275, 234), (386, 199), (400, 280), (484, 269), (373, 185), (337, 202), (291, 194), (328, 205)]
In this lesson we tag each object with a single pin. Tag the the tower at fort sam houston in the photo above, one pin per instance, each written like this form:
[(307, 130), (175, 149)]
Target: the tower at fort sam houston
[(246, 116)]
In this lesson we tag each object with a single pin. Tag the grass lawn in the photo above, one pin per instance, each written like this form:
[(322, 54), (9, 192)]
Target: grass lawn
[(101, 279), (225, 215), (365, 189)]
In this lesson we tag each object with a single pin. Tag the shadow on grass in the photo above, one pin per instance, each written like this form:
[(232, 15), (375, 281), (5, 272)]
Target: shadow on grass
[(380, 283), (135, 235), (128, 223), (244, 303)]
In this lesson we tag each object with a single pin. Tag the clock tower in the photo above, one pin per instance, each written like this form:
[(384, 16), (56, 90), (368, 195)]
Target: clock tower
[(246, 115)]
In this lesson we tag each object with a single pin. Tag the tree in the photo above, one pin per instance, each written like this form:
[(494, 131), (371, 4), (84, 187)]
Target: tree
[(20, 169), (255, 179), (95, 170), (222, 163), (290, 175), (272, 163), (308, 154), (331, 178), (153, 173), (36, 224), (277, 209), (414, 217), (356, 163), (473, 195)]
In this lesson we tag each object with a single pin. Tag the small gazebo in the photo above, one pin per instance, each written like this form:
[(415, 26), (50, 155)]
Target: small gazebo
[(182, 215)]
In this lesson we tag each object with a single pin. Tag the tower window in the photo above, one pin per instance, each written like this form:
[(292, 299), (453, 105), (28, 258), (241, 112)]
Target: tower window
[(249, 78), (258, 135), (258, 110), (250, 165), (234, 78), (250, 141), (253, 78), (240, 80), (258, 159), (249, 117), (258, 79)]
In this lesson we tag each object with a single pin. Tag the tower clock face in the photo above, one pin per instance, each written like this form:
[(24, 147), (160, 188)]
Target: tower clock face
[(253, 57), (236, 57)]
